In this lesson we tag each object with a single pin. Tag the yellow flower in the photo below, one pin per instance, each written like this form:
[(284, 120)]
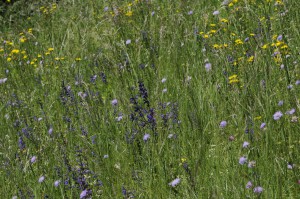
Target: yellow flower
[(78, 59), (8, 59), (265, 46), (257, 118), (212, 31), (39, 56), (224, 20), (251, 59), (205, 36), (25, 57), (22, 39), (1, 49), (129, 13), (238, 41), (15, 51), (47, 53), (50, 49), (212, 25), (232, 77)]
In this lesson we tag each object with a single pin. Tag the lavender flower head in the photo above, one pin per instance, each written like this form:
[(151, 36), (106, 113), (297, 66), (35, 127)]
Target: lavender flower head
[(223, 124), (245, 144), (263, 125), (146, 137), (249, 185), (114, 102), (207, 66), (277, 115), (128, 41), (163, 80), (280, 103), (297, 82), (175, 182), (291, 112), (56, 183), (258, 189), (216, 12), (41, 179), (242, 160), (3, 80), (33, 159)]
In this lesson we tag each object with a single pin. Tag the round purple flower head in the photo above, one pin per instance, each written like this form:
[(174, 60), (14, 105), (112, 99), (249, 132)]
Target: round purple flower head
[(33, 159), (146, 137), (263, 125), (249, 185), (207, 66), (245, 144), (114, 102), (258, 190), (128, 41), (280, 103), (277, 115), (291, 112), (56, 183), (175, 182), (242, 160), (223, 124), (41, 179)]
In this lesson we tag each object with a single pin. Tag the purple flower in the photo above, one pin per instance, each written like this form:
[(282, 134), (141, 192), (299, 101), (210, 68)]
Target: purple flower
[(216, 12), (280, 103), (242, 160), (163, 80), (190, 12), (164, 90), (50, 131), (33, 159), (207, 66), (249, 185), (297, 82), (114, 102), (3, 80), (41, 179), (290, 166), (105, 156), (291, 112), (279, 38), (263, 125), (223, 124), (146, 137), (175, 182), (290, 86), (152, 13), (83, 194), (105, 9), (56, 183), (277, 115), (258, 189), (245, 144), (128, 41)]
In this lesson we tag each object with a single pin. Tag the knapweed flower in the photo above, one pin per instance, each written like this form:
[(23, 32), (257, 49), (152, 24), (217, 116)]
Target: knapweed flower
[(290, 86), (105, 156), (297, 82), (164, 90), (249, 185), (258, 189), (56, 183), (146, 137), (279, 38), (223, 124), (291, 112), (280, 103), (163, 80), (190, 12), (41, 179), (33, 159), (290, 166), (242, 160), (2, 81), (277, 115), (128, 41), (114, 102), (175, 182), (85, 193), (216, 12), (245, 144), (262, 126), (207, 66)]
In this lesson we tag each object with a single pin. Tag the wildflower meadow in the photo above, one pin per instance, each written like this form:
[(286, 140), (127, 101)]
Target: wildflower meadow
[(149, 99)]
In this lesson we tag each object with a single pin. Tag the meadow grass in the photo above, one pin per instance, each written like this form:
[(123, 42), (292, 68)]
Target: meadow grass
[(150, 99)]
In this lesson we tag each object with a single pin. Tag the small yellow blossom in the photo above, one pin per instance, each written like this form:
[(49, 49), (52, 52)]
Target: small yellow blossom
[(257, 118), (250, 59), (8, 59), (129, 13), (265, 46), (205, 36), (15, 51), (212, 31), (224, 20), (238, 41), (22, 39), (78, 59), (50, 49), (47, 53), (1, 49)]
